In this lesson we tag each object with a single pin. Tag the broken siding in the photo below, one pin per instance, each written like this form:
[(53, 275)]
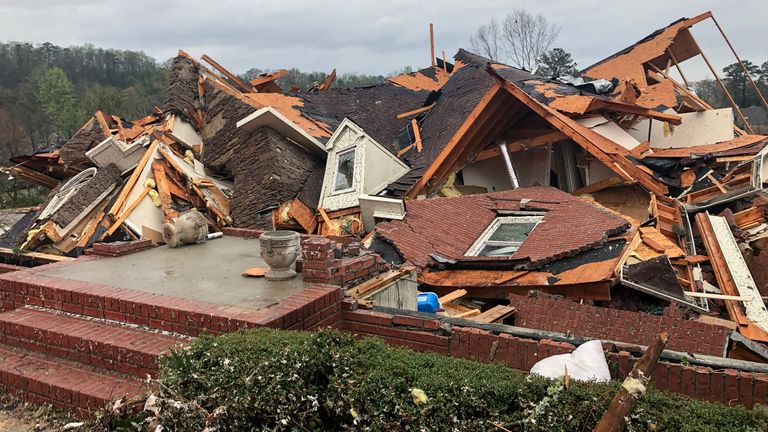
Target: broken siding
[(104, 179)]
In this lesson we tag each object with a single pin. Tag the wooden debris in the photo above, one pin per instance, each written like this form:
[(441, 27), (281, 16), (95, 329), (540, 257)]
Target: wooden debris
[(495, 314), (632, 389), (453, 295), (255, 272)]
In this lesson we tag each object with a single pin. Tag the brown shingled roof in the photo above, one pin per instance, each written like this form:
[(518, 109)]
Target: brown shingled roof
[(449, 226)]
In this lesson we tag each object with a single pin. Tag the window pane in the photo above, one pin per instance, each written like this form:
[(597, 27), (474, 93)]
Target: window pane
[(498, 250), (345, 168), (515, 232)]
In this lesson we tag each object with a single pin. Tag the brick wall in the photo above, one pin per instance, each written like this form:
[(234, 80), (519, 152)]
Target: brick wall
[(728, 387), (562, 315), (322, 261), (7, 268)]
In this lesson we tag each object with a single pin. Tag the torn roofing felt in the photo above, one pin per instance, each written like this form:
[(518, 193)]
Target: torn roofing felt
[(448, 227)]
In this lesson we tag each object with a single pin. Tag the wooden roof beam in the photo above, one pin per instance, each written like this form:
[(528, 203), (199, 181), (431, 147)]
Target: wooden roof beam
[(263, 79), (247, 88)]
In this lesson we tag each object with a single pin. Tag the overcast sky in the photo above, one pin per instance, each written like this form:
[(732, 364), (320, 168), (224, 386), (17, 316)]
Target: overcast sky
[(375, 37)]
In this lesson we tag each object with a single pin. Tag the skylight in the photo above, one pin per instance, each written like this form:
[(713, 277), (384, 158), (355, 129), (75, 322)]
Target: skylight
[(504, 236)]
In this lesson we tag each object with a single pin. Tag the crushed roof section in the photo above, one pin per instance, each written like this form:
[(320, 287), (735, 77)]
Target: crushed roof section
[(455, 102), (627, 64), (449, 226), (374, 108), (429, 79), (92, 133)]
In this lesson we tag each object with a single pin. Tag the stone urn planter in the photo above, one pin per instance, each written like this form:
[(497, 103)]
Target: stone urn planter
[(189, 227), (279, 249)]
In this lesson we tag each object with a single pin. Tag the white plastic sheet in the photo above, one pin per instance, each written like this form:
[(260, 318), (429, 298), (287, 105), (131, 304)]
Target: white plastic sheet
[(585, 363)]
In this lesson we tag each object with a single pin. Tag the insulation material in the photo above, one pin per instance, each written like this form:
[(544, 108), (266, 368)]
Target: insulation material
[(610, 130)]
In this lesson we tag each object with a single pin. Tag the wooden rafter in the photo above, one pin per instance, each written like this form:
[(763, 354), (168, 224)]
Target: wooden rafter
[(246, 87)]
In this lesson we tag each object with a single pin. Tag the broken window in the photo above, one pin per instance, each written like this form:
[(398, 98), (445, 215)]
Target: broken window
[(345, 170), (504, 236)]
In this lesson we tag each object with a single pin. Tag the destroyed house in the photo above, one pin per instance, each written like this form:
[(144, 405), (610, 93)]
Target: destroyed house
[(612, 206)]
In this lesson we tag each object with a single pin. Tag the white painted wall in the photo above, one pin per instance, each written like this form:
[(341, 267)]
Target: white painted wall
[(697, 128), (374, 168)]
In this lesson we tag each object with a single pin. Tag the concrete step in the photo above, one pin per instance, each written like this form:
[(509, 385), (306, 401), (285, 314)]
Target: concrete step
[(129, 350), (75, 388)]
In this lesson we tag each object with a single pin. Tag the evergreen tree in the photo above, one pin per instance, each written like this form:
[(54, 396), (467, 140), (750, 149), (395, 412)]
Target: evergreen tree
[(556, 63), (738, 84)]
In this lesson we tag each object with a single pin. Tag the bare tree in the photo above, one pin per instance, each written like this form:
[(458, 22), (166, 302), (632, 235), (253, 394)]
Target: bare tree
[(485, 41), (520, 39)]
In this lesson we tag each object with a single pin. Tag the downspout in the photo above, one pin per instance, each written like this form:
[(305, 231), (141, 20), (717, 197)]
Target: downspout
[(508, 162)]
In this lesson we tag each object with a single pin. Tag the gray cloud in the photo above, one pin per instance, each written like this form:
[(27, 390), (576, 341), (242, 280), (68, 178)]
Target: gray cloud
[(363, 36)]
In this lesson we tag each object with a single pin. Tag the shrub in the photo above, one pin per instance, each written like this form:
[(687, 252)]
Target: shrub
[(269, 380)]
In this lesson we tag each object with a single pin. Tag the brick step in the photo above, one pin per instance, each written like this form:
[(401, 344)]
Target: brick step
[(128, 350), (317, 305), (75, 388)]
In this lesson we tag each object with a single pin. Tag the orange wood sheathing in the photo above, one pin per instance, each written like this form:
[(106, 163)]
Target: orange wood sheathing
[(285, 104), (738, 142), (417, 81), (658, 94), (629, 66)]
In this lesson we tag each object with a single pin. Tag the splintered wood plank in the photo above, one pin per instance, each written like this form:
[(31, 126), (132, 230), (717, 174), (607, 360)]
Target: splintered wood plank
[(166, 202), (124, 215), (453, 295), (303, 215), (495, 314), (118, 205)]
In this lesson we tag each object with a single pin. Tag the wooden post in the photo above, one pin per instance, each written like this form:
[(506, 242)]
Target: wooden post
[(677, 66), (432, 44), (722, 86), (746, 72), (445, 64), (632, 388)]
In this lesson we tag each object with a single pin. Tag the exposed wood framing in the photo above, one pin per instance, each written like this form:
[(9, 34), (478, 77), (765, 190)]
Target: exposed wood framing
[(246, 87), (118, 205), (605, 150), (414, 112), (726, 281), (328, 81), (166, 202), (419, 187)]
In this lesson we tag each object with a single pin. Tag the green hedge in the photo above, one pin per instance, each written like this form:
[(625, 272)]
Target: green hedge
[(267, 380)]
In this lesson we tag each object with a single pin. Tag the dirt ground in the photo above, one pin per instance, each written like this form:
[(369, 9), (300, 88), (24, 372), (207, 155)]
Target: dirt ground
[(8, 423)]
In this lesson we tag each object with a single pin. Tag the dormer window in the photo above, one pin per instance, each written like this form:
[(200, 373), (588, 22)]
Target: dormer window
[(345, 171), (504, 236)]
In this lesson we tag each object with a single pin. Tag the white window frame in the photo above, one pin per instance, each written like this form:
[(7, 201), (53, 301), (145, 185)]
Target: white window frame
[(341, 153), (483, 241)]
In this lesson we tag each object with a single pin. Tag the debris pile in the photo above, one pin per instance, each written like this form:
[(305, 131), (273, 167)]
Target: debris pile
[(622, 188)]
